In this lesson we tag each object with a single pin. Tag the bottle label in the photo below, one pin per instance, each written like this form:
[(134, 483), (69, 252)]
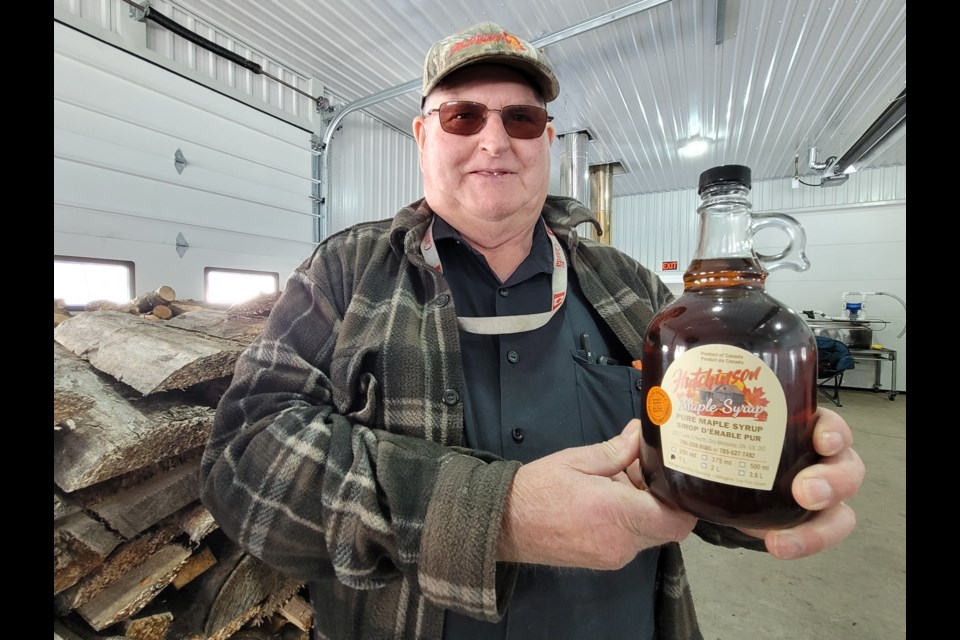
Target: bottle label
[(722, 414)]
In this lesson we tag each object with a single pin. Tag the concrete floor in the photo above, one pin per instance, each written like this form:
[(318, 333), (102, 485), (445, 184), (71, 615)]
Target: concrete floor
[(854, 591)]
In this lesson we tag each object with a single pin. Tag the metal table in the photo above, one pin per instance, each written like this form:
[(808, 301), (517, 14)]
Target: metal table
[(877, 356)]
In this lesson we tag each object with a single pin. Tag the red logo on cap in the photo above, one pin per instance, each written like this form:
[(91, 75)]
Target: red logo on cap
[(483, 38)]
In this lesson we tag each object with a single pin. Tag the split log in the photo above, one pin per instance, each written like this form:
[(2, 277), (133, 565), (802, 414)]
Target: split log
[(149, 356), (220, 324), (111, 435), (75, 386), (299, 612), (188, 304), (133, 510), (196, 522), (198, 563), (109, 305), (249, 584), (147, 301), (80, 545), (191, 605), (63, 506), (136, 589), (257, 613), (152, 627), (127, 556)]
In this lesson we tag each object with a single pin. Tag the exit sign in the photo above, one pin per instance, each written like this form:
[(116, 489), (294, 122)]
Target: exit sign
[(669, 266)]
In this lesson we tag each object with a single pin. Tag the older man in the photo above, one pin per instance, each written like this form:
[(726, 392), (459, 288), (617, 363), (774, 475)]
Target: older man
[(419, 433)]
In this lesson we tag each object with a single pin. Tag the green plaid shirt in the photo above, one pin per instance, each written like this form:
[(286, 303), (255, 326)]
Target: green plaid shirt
[(336, 455)]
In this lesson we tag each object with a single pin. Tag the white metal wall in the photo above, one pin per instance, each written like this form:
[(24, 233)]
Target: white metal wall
[(856, 241), (373, 169), (242, 201), (116, 17)]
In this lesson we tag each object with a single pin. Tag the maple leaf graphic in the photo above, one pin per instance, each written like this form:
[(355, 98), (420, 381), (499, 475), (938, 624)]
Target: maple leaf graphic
[(754, 397)]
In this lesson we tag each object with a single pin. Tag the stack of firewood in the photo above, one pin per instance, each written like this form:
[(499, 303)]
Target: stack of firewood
[(135, 553)]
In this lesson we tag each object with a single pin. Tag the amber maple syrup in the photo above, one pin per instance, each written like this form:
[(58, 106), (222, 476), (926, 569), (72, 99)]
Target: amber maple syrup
[(729, 377)]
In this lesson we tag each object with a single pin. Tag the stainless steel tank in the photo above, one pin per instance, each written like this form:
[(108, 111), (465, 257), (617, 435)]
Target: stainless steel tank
[(854, 334)]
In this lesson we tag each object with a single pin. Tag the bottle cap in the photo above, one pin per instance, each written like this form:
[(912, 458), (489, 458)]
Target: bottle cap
[(725, 173)]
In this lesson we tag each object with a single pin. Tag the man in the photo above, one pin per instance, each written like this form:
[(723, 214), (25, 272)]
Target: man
[(418, 433)]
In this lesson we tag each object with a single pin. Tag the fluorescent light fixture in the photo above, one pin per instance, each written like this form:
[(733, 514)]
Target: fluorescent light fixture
[(694, 146)]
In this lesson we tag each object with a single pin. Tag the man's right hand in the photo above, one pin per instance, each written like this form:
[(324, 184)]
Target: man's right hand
[(587, 507)]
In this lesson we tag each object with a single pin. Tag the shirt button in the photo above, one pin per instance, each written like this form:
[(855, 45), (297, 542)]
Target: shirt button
[(503, 291), (451, 397), (442, 300), (517, 435), (513, 357)]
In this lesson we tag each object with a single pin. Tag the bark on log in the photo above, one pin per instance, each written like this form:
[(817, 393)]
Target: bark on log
[(136, 589), (133, 510), (80, 546), (148, 356), (75, 386), (220, 324), (112, 435)]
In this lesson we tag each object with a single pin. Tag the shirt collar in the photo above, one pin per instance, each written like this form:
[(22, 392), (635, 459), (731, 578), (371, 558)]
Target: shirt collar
[(540, 259)]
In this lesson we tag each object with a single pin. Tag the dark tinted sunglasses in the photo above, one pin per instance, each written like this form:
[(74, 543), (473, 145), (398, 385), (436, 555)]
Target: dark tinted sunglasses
[(467, 118)]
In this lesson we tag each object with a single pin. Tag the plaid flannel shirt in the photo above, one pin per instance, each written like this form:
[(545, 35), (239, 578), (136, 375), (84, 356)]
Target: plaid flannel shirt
[(336, 454)]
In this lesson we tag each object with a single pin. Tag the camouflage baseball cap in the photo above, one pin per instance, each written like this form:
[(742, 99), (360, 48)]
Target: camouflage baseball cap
[(492, 44)]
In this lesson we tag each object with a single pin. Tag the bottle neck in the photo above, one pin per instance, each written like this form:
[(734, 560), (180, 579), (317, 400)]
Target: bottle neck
[(724, 223), (724, 256)]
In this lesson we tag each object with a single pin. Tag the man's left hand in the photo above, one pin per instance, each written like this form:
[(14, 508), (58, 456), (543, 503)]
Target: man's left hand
[(821, 488)]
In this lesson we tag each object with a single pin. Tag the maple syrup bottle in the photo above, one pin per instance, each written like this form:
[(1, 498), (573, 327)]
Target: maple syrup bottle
[(729, 373)]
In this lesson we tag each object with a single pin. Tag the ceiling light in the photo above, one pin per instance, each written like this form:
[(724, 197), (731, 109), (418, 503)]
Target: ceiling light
[(694, 146)]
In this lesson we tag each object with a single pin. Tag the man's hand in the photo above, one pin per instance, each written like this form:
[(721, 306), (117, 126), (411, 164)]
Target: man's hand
[(822, 488), (584, 507)]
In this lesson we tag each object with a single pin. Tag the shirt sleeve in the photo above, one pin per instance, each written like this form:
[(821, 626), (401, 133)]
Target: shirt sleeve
[(298, 484)]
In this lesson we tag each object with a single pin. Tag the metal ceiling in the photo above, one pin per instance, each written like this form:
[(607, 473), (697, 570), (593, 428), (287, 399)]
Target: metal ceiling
[(770, 80)]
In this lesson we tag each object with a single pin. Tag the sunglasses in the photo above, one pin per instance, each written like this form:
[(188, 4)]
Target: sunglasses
[(462, 118)]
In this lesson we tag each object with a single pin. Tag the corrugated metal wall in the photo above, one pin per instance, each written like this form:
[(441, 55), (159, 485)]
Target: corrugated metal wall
[(373, 171)]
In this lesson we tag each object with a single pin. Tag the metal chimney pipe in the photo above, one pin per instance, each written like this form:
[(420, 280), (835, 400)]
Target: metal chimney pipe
[(574, 166), (601, 198)]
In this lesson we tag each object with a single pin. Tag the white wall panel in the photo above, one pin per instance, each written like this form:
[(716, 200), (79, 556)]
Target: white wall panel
[(119, 25), (373, 171), (242, 201)]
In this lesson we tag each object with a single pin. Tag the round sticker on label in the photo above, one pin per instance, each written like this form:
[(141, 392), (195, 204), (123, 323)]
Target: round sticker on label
[(659, 406)]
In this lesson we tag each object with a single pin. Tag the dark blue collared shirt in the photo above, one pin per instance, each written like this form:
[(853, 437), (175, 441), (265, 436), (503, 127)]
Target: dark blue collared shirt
[(531, 394)]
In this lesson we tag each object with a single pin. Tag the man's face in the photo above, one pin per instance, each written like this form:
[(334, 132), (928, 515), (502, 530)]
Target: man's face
[(487, 176)]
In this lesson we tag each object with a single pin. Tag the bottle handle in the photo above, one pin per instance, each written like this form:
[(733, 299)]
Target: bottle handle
[(793, 256)]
